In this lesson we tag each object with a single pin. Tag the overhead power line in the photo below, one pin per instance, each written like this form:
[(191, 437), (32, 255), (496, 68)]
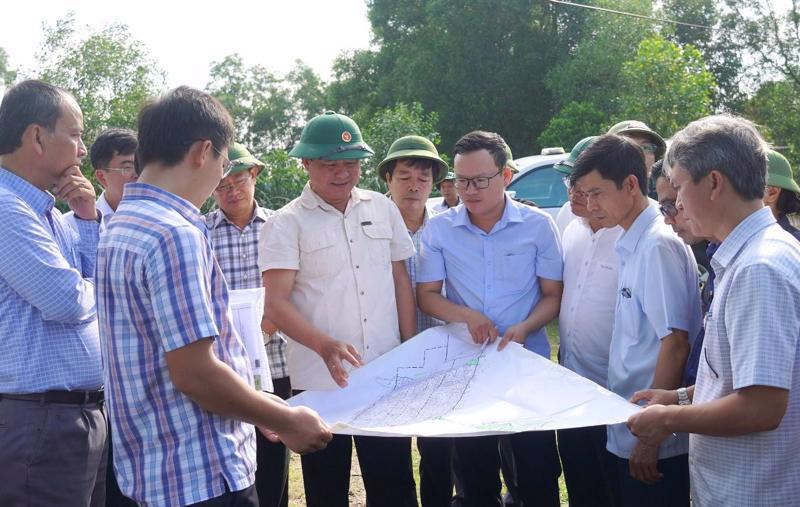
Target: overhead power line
[(631, 14)]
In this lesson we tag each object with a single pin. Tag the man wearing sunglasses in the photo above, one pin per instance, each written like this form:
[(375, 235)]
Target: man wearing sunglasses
[(234, 229), (112, 160), (501, 263)]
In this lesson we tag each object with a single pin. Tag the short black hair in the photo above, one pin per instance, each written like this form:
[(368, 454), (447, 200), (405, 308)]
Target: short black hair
[(657, 170), (112, 142), (169, 126), (615, 158), (415, 162), (480, 140), (788, 202), (26, 103)]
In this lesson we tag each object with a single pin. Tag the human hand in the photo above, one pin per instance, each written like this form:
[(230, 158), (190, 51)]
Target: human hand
[(267, 326), (517, 333), (643, 463), (334, 353), (649, 425), (77, 191), (306, 433), (481, 328), (655, 397)]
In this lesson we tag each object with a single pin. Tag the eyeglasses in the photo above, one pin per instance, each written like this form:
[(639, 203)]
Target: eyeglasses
[(227, 162), (668, 209), (479, 182), (236, 183), (125, 171), (649, 147)]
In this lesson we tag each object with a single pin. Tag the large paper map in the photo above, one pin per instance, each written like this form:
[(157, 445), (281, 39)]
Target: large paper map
[(441, 384)]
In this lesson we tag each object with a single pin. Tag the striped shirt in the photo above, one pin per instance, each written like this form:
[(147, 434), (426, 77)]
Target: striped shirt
[(752, 339), (237, 253), (424, 321), (49, 325), (159, 288)]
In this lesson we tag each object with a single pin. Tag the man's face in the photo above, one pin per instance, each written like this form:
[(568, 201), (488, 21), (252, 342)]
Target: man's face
[(235, 194), (672, 215), (693, 200), (478, 169), (606, 203), (63, 147), (448, 190), (648, 146), (118, 173), (577, 199), (410, 186), (333, 180)]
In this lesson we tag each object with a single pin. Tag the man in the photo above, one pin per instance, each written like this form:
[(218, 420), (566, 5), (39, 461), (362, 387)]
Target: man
[(565, 215), (333, 262), (657, 309), (449, 193), (501, 261), (742, 414), (51, 376), (585, 325), (782, 193), (701, 248), (234, 229), (410, 170), (112, 157), (180, 392)]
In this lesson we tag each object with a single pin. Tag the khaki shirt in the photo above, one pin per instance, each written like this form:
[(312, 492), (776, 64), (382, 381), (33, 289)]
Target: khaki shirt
[(344, 285)]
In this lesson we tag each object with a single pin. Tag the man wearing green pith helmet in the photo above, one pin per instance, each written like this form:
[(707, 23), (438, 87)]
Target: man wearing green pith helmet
[(333, 263)]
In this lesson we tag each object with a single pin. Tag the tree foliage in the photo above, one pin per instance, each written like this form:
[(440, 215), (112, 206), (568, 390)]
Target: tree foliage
[(574, 122), (776, 106), (7, 74)]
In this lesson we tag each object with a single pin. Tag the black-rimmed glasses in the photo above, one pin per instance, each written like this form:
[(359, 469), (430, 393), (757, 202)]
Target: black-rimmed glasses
[(480, 182)]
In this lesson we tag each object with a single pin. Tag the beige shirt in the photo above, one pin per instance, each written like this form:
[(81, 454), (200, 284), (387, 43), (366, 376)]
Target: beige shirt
[(344, 285)]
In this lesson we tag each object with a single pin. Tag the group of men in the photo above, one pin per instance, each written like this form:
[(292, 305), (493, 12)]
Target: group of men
[(123, 327)]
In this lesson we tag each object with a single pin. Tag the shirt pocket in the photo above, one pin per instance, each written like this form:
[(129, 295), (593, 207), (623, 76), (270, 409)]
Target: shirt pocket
[(378, 242), (322, 254), (517, 271)]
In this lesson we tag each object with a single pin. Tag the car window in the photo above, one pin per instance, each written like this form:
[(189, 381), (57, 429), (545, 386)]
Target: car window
[(543, 185)]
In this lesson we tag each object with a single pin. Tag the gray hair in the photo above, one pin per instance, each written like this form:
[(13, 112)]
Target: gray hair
[(725, 143)]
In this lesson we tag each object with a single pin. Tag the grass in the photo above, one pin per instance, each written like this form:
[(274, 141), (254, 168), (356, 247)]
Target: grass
[(357, 495)]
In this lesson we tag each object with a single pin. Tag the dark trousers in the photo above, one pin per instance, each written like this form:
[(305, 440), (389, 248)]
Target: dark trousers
[(272, 472), (52, 454), (244, 498), (385, 468), (537, 468), (589, 469), (435, 471), (671, 491)]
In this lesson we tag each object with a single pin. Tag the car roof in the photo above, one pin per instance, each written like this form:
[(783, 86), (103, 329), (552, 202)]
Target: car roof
[(526, 164)]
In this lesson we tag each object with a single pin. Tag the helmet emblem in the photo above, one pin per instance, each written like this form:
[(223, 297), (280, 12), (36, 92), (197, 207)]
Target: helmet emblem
[(347, 136)]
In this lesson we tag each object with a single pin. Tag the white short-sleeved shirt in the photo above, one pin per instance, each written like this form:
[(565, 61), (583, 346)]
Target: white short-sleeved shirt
[(586, 320), (565, 217), (752, 338), (102, 206), (658, 291), (344, 285)]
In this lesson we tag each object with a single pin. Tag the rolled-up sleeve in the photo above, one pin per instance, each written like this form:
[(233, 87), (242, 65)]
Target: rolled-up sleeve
[(549, 255), (664, 284), (431, 266), (279, 243)]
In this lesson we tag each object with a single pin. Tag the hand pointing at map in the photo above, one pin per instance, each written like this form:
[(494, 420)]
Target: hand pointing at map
[(334, 353), (480, 327)]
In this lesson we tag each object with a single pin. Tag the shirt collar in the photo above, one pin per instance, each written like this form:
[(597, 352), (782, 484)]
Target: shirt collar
[(216, 217), (39, 200), (103, 207), (631, 237), (310, 199), (511, 213), (147, 192), (740, 235)]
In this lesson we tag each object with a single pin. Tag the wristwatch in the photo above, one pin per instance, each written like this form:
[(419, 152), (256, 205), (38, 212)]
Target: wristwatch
[(683, 396)]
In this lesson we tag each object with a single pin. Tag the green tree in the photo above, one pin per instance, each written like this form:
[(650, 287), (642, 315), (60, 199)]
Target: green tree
[(385, 127), (574, 122), (665, 85), (109, 72), (7, 75), (282, 180), (776, 106)]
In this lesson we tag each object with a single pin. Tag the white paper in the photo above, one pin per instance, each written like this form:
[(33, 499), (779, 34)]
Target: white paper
[(440, 383), (247, 308)]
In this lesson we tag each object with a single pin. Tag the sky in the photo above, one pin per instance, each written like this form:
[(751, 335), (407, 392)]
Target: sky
[(185, 37)]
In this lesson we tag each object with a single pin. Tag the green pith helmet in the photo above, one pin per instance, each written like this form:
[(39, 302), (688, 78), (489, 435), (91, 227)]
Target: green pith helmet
[(779, 172), (510, 161), (331, 136), (637, 127), (565, 166), (414, 147), (241, 160)]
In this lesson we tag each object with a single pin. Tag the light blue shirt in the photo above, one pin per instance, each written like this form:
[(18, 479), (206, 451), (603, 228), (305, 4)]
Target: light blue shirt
[(495, 273), (48, 329), (658, 291), (752, 339)]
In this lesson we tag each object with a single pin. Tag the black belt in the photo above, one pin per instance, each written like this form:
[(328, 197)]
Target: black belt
[(67, 397)]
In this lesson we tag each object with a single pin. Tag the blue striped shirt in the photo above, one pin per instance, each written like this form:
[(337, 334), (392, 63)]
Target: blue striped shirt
[(159, 288), (48, 325)]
